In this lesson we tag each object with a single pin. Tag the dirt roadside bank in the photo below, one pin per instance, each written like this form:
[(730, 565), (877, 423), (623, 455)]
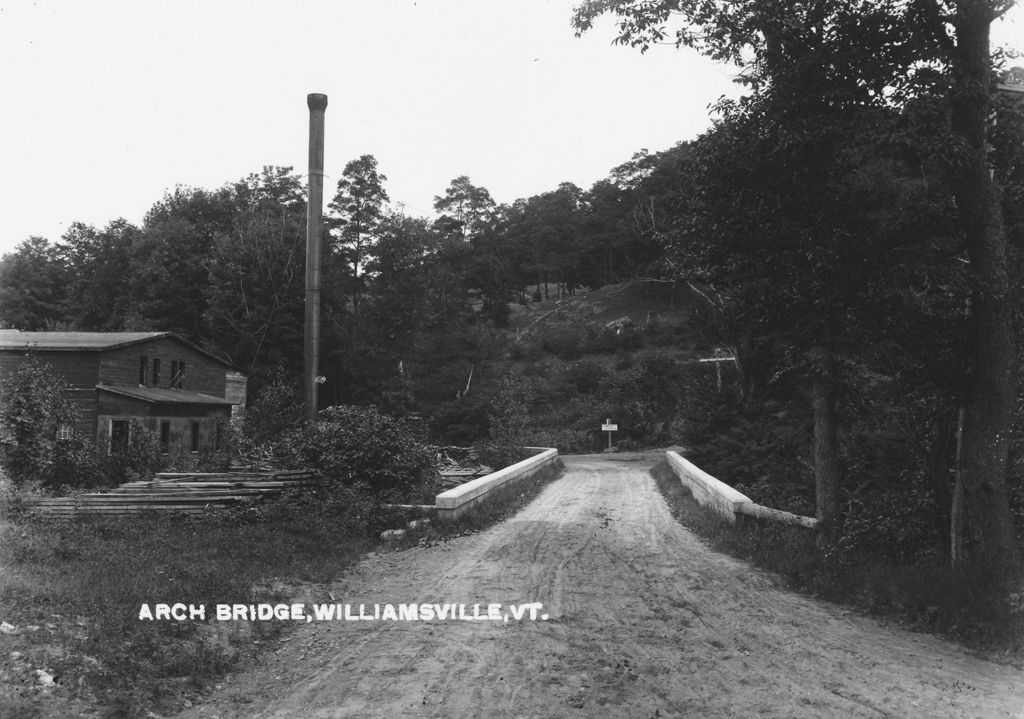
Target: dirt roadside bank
[(644, 621)]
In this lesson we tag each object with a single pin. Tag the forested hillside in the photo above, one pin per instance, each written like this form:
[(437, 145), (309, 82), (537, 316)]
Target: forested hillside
[(224, 268)]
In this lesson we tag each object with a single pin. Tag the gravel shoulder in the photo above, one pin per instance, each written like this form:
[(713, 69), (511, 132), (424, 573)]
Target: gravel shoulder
[(643, 621)]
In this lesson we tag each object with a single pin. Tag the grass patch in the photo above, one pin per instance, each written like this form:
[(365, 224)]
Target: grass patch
[(73, 592), (927, 596)]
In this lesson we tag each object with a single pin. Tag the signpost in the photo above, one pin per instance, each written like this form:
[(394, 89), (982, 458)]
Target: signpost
[(609, 428), (721, 355)]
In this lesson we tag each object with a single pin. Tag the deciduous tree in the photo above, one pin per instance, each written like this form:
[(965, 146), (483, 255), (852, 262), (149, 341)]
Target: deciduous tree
[(99, 275), (828, 54), (33, 286)]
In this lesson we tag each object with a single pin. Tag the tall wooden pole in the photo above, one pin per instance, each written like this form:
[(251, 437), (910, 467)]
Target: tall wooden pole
[(314, 219)]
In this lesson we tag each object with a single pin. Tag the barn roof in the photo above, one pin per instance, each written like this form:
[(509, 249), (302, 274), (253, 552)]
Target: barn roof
[(18, 340), (164, 396), (89, 342)]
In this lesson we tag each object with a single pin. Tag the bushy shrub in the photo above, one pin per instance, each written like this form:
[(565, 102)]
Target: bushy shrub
[(277, 406), (564, 342), (660, 334), (622, 337), (33, 406), (754, 444), (329, 507), (138, 460), (538, 370), (583, 376), (601, 340), (628, 338), (896, 522), (508, 421), (790, 496), (645, 400), (565, 439), (460, 422), (623, 361), (525, 351), (349, 445)]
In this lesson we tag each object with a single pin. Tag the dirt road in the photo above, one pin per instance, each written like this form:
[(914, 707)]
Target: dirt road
[(644, 621)]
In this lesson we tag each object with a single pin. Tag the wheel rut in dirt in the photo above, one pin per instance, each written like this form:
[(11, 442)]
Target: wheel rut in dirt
[(642, 618)]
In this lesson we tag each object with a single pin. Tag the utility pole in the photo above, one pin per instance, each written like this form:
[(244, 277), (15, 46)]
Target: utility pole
[(314, 219)]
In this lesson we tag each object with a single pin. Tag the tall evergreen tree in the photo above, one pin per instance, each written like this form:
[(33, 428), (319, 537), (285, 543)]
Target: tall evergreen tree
[(356, 212), (465, 208)]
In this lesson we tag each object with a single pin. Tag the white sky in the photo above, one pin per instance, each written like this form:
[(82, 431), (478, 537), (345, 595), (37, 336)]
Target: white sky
[(107, 104)]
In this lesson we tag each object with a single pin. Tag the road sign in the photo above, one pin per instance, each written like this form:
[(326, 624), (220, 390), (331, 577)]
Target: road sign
[(609, 428)]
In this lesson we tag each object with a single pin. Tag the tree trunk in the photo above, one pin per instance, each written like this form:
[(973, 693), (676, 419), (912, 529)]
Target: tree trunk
[(744, 352), (826, 454), (991, 546), (943, 435), (357, 258)]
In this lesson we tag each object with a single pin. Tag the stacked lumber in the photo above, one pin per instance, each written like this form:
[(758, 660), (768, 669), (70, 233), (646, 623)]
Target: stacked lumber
[(453, 476), (188, 493)]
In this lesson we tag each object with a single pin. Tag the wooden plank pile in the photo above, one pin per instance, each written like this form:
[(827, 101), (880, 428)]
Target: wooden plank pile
[(458, 465), (188, 493), (454, 476)]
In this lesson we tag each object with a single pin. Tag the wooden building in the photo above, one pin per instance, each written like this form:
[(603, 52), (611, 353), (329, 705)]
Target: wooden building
[(182, 393)]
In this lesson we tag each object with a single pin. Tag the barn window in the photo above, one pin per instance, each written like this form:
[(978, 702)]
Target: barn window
[(177, 374), (165, 436), (143, 366), (120, 434), (156, 372), (65, 432), (195, 436)]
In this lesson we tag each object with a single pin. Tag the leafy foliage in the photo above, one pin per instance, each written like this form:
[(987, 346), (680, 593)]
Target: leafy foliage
[(811, 191), (98, 265), (34, 407), (136, 461), (465, 208), (254, 299), (350, 446), (33, 286), (508, 423), (356, 210)]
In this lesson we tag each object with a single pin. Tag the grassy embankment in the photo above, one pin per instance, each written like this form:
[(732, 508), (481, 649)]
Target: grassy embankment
[(73, 593), (927, 597)]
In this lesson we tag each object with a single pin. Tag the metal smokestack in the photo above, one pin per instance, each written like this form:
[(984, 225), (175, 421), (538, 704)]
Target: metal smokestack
[(314, 221)]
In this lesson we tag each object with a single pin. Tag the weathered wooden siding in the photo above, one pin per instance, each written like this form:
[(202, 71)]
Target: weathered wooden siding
[(84, 369), (181, 430), (121, 366), (80, 370), (234, 390)]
